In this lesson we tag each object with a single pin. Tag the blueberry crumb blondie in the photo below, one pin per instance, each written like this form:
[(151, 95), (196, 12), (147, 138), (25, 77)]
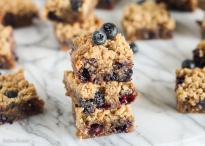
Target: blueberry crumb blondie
[(190, 84), (148, 20), (66, 32), (107, 95), (18, 98), (17, 13), (69, 10), (103, 122), (97, 57), (181, 5), (7, 46)]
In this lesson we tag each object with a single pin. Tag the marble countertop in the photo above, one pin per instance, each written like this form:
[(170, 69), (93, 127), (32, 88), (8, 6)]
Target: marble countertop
[(154, 75)]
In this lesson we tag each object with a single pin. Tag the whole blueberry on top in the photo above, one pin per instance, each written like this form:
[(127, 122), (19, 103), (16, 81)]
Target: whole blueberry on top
[(110, 30), (76, 4), (188, 64), (134, 47), (99, 37), (11, 94)]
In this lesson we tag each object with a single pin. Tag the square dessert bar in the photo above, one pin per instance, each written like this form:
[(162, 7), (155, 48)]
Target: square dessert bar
[(66, 32), (103, 122), (69, 10), (181, 5), (106, 4), (201, 4), (110, 61), (190, 85), (107, 95), (18, 98), (148, 20), (7, 46), (17, 13), (199, 54)]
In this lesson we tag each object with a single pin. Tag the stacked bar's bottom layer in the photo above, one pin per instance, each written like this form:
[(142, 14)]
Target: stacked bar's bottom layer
[(103, 122)]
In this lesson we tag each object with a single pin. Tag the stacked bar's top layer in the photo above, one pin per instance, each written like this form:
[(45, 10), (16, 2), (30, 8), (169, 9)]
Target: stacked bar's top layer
[(7, 45), (69, 10), (190, 87), (65, 32), (103, 122), (199, 54), (18, 98), (148, 20), (111, 61), (13, 11), (107, 95), (181, 5)]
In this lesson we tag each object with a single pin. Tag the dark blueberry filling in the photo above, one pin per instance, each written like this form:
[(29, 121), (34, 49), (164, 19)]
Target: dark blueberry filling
[(11, 94), (95, 129), (99, 99), (126, 99), (140, 2), (88, 69), (76, 4), (188, 64), (87, 105), (120, 73), (123, 127), (180, 80), (31, 107), (53, 16), (199, 61), (201, 104), (3, 119), (84, 75)]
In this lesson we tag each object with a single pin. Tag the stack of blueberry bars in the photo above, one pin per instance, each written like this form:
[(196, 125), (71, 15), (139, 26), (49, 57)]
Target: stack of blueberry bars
[(71, 18), (100, 84)]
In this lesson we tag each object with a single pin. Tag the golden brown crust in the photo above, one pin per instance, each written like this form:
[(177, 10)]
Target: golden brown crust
[(18, 7), (65, 32), (62, 10), (7, 43), (148, 17), (190, 90)]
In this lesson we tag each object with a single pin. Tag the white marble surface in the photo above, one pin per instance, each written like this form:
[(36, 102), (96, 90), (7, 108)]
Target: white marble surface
[(154, 74)]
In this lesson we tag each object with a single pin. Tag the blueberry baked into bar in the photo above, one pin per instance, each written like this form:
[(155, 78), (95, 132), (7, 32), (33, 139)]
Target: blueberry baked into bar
[(66, 32), (199, 54), (107, 95), (7, 46), (190, 90), (102, 56), (103, 122), (19, 99), (17, 13), (181, 5), (148, 20), (69, 10)]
